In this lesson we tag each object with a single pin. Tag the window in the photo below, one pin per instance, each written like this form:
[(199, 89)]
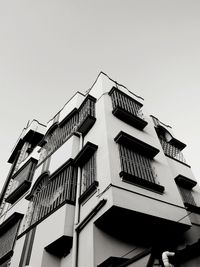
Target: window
[(136, 168), (188, 199), (136, 161), (127, 109), (88, 174), (86, 160)]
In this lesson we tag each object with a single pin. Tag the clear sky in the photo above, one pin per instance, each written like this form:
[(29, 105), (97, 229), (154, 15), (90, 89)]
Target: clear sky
[(49, 49)]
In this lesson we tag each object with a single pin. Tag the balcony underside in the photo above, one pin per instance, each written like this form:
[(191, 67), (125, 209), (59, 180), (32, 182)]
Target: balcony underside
[(134, 226), (129, 118), (86, 125), (60, 247), (18, 192)]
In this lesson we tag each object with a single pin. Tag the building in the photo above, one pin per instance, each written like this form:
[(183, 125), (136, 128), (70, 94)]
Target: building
[(103, 184)]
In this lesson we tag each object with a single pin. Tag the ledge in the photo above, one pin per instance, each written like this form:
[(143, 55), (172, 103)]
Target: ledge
[(113, 262), (129, 118), (31, 160), (18, 192), (86, 125), (26, 183), (185, 182), (126, 177), (15, 217), (138, 145), (175, 142), (85, 154), (192, 208), (60, 247), (88, 191)]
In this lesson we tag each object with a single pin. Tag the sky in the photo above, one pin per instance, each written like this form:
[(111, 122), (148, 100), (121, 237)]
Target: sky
[(51, 49)]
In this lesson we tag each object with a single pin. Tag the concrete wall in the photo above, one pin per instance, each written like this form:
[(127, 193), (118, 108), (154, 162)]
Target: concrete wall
[(50, 230)]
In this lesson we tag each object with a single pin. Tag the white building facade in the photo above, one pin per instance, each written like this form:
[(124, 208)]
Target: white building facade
[(103, 184)]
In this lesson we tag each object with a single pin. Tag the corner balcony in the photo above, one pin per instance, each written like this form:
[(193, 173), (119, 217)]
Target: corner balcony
[(21, 180), (127, 109), (51, 192), (130, 215)]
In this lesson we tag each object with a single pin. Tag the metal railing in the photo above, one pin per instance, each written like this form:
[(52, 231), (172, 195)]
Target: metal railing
[(136, 164), (86, 109), (61, 133), (59, 190), (172, 151), (88, 174), (125, 102)]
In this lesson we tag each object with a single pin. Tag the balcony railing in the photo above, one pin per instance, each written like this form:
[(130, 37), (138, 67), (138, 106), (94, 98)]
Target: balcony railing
[(78, 120), (86, 115), (21, 181), (59, 190), (172, 151), (127, 109)]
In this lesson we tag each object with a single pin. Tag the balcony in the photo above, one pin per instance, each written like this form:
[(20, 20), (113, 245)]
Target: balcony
[(22, 180), (127, 109), (80, 120), (8, 234), (188, 200), (172, 152), (44, 200), (86, 115)]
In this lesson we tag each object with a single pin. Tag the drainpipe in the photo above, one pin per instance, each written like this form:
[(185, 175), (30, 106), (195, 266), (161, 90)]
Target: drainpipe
[(165, 258), (77, 211)]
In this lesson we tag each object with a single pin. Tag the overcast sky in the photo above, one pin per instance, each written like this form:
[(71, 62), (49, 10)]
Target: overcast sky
[(49, 49)]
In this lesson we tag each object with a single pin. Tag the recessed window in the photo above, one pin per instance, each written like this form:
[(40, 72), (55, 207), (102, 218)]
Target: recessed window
[(86, 160), (127, 109), (136, 159)]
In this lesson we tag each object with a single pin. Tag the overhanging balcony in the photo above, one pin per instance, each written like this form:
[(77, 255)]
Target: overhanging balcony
[(46, 199), (22, 180), (127, 109)]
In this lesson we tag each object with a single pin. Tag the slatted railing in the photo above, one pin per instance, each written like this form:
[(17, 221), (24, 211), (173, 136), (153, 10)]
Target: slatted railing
[(60, 189), (88, 174), (119, 99), (87, 109), (136, 165), (172, 151), (63, 131)]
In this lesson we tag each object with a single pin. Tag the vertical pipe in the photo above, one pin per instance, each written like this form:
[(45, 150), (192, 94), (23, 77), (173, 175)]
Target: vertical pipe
[(77, 212)]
